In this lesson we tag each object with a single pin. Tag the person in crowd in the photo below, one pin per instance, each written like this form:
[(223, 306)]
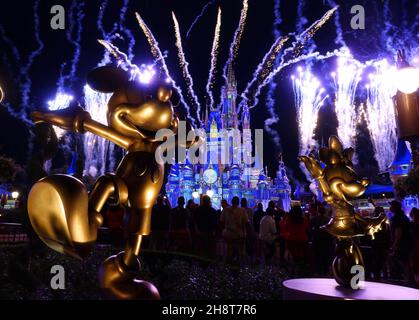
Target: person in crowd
[(206, 226), (235, 220), (322, 242), (250, 232), (379, 247), (224, 204), (401, 240), (191, 206), (294, 229), (180, 237), (414, 258), (160, 223), (268, 235), (257, 216), (277, 216)]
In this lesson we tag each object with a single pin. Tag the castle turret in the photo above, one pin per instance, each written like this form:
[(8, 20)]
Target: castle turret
[(229, 113)]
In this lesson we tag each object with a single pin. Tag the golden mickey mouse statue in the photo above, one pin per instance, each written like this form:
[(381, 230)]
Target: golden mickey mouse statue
[(66, 217), (339, 183)]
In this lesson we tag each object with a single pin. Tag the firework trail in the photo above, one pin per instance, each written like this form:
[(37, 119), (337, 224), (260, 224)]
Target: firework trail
[(270, 100), (108, 36), (262, 72), (199, 16), (291, 54), (339, 35), (120, 56), (26, 84), (301, 19), (309, 97), (159, 58), (379, 113), (78, 8), (385, 35), (346, 80), (235, 44), (185, 70), (302, 38), (105, 35), (214, 56), (128, 33)]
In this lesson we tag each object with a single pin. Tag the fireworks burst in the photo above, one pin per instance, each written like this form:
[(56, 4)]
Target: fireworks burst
[(185, 70), (346, 80), (61, 101), (97, 150), (309, 98), (379, 113), (214, 56)]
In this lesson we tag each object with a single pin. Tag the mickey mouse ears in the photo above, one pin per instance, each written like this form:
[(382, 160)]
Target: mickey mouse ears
[(107, 79)]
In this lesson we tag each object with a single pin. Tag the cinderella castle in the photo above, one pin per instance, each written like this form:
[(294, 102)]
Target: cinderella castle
[(228, 135)]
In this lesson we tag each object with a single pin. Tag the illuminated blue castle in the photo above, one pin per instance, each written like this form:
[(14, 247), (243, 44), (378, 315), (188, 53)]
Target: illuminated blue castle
[(233, 177)]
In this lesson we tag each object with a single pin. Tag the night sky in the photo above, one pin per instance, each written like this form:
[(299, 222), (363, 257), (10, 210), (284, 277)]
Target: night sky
[(17, 21)]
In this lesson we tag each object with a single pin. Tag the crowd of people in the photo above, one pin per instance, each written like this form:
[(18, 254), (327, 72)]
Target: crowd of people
[(244, 235)]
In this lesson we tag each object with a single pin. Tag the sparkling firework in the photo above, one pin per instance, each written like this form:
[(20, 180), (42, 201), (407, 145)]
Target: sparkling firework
[(235, 44), (346, 80), (159, 58), (338, 27), (291, 54), (120, 56), (98, 151), (61, 101), (379, 113), (214, 56), (262, 71), (309, 98), (185, 70)]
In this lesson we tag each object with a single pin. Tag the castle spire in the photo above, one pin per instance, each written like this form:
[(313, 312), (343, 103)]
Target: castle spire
[(231, 79), (229, 114)]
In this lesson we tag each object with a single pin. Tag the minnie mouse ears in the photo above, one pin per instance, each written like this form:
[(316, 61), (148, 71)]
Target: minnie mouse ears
[(107, 79), (335, 152)]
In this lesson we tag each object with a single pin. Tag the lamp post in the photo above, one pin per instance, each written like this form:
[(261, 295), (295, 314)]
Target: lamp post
[(407, 106)]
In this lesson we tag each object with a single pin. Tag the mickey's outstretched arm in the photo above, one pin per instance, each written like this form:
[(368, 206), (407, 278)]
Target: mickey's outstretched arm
[(77, 119)]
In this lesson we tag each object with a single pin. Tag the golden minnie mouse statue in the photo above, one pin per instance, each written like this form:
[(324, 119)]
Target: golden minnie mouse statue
[(66, 217), (339, 183)]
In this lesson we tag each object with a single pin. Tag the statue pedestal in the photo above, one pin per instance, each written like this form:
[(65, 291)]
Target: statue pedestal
[(328, 289)]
